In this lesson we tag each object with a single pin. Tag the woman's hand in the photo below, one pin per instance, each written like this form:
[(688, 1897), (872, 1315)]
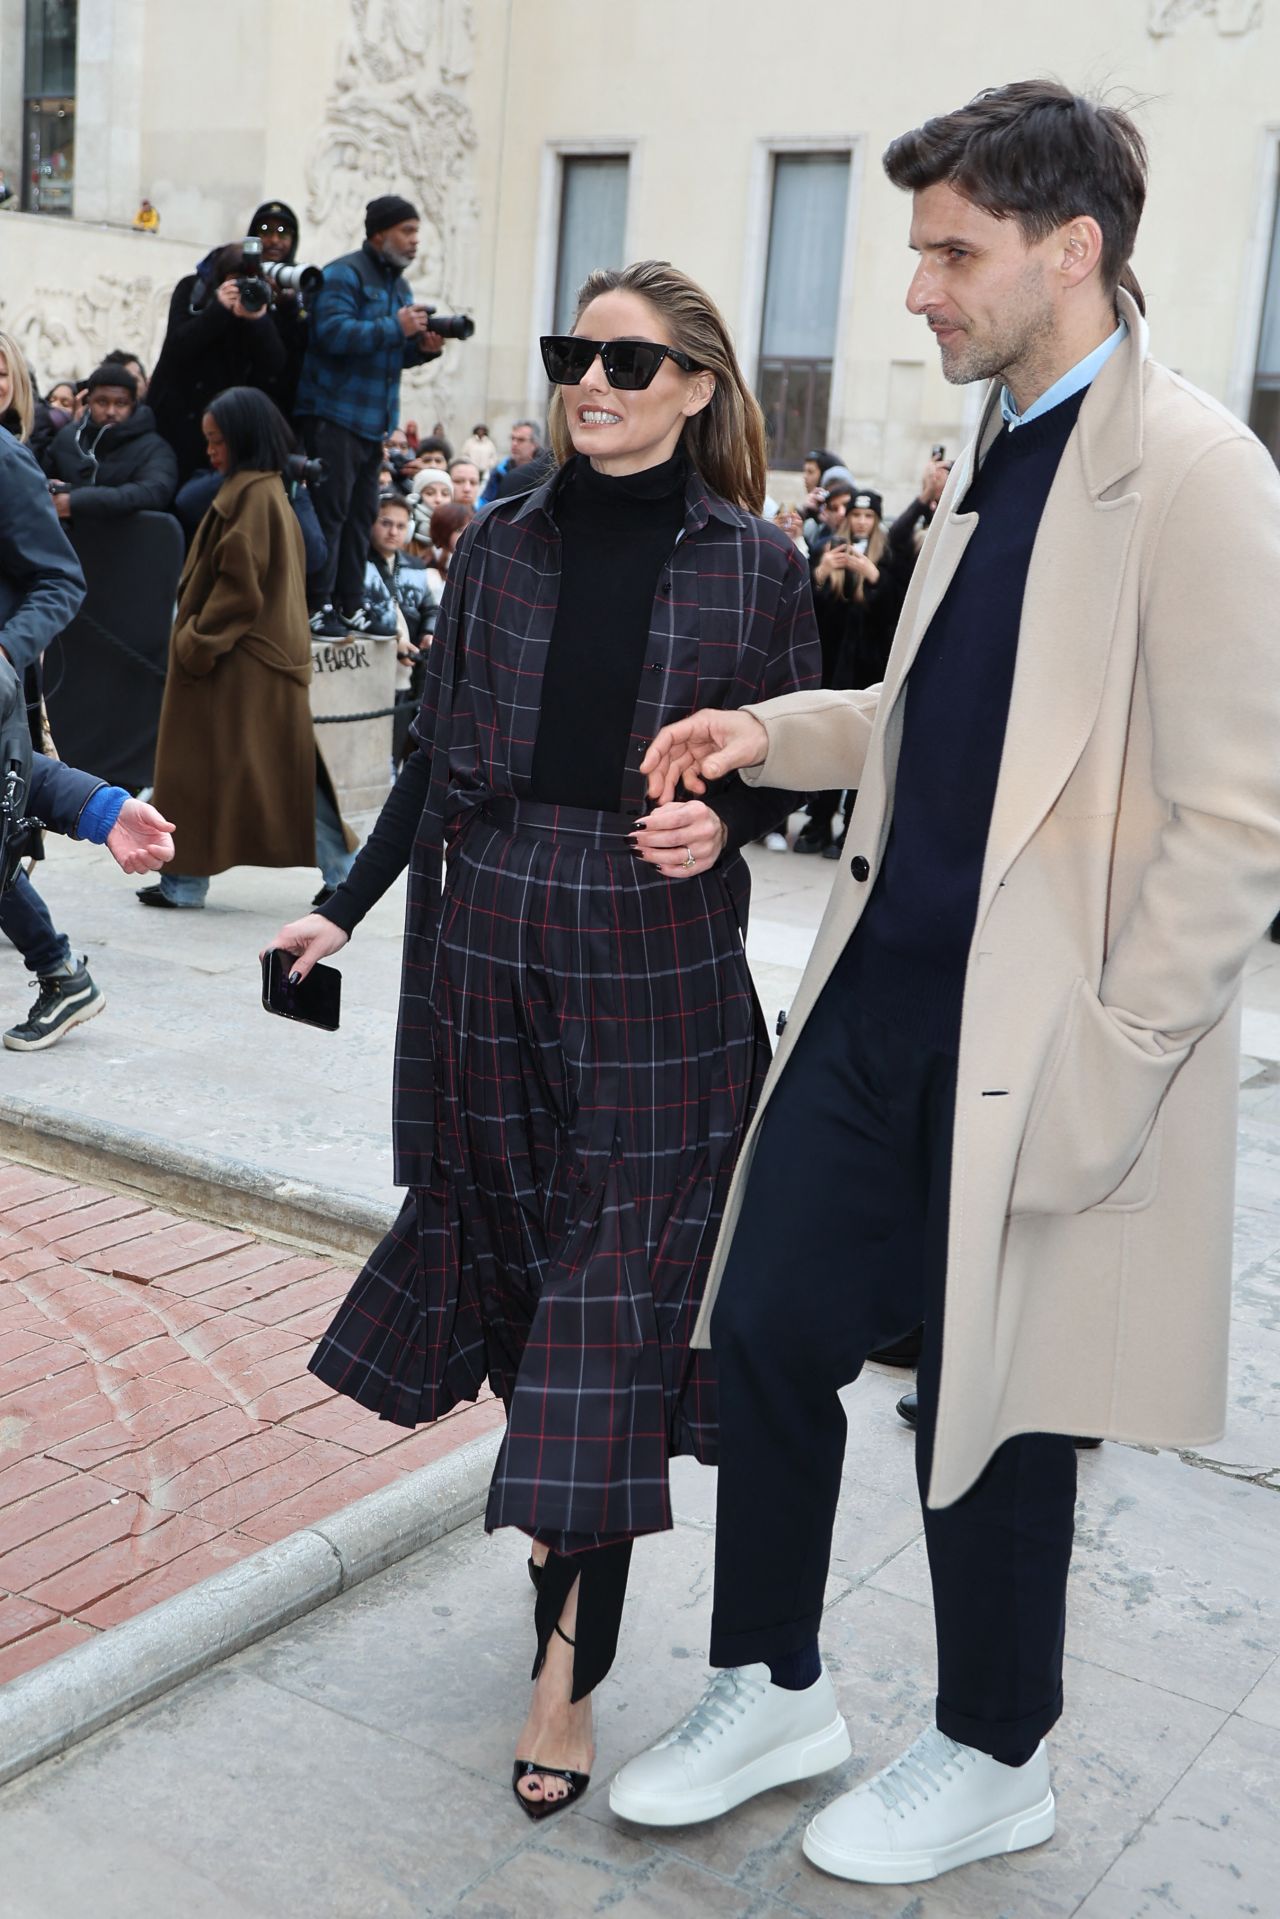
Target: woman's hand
[(311, 938), (681, 839), (141, 841), (704, 747)]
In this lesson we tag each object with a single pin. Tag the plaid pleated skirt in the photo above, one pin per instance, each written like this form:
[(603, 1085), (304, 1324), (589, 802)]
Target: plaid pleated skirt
[(598, 1053)]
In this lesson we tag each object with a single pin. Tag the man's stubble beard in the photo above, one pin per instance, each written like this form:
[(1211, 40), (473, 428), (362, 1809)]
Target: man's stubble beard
[(1021, 338)]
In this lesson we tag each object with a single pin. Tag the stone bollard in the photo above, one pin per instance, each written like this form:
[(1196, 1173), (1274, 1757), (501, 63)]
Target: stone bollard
[(355, 676)]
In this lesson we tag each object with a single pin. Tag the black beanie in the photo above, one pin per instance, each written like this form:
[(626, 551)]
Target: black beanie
[(110, 375), (388, 210)]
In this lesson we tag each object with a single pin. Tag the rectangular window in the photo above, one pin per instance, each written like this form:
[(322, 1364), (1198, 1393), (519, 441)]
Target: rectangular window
[(802, 299), (49, 117), (1264, 413), (593, 225)]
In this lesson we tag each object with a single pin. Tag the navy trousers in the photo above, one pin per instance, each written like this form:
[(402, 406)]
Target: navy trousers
[(840, 1248)]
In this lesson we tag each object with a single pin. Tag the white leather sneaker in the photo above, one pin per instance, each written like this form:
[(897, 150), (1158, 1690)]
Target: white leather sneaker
[(744, 1735), (940, 1805)]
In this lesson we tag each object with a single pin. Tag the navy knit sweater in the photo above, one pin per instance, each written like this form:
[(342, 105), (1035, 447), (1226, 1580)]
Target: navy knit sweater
[(912, 943)]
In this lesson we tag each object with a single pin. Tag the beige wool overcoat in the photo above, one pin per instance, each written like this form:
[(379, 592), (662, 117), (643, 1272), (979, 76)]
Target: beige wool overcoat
[(1132, 860)]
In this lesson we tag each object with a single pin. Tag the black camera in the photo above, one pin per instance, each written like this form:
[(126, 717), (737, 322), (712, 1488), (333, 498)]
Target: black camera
[(254, 290), (451, 326), (298, 470)]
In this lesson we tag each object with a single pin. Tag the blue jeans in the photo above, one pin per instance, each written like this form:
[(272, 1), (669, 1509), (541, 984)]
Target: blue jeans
[(332, 857), (25, 919)]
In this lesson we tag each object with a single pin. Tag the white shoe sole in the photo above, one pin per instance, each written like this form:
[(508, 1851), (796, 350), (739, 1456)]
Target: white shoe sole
[(89, 1010), (800, 1759), (1014, 1834)]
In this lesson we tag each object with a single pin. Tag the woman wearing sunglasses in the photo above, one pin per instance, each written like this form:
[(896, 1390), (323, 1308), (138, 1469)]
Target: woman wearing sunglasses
[(580, 1047)]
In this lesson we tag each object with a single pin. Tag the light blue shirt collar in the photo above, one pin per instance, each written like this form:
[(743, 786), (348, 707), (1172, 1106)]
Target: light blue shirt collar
[(1083, 374)]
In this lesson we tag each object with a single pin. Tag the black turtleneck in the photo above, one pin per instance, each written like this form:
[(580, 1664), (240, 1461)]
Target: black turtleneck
[(616, 536)]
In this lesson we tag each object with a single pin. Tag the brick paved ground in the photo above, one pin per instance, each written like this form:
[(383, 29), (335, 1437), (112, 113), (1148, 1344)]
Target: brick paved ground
[(157, 1421)]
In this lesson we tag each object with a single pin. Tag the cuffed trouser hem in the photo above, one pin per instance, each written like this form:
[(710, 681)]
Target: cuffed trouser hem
[(761, 1645), (1010, 1740)]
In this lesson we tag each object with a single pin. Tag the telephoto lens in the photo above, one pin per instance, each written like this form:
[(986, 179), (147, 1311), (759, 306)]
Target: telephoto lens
[(451, 326), (305, 280)]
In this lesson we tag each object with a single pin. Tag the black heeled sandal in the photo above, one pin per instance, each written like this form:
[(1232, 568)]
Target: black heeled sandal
[(577, 1782), (535, 1572)]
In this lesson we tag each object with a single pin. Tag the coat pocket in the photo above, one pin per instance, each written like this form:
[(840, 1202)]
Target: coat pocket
[(1093, 1134)]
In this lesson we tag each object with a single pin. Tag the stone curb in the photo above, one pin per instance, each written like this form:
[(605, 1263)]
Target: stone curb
[(43, 1713), (231, 1192)]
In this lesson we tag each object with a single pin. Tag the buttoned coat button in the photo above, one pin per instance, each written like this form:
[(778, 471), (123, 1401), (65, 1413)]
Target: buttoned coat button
[(860, 868)]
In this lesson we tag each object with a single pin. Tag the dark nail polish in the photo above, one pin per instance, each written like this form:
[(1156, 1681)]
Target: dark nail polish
[(295, 979)]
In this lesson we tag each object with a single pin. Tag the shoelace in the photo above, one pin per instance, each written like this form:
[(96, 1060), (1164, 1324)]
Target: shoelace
[(922, 1771), (728, 1695)]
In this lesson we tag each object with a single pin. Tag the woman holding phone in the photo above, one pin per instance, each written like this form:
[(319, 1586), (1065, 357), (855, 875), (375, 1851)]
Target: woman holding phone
[(580, 1046)]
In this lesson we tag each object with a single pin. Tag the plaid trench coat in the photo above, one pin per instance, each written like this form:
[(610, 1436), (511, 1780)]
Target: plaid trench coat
[(565, 1191)]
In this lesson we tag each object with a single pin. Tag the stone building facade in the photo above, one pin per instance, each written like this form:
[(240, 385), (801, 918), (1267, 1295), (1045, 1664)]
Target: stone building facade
[(539, 136)]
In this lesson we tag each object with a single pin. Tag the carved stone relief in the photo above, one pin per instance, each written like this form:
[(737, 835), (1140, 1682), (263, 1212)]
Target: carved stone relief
[(397, 121), (1229, 16), (63, 331)]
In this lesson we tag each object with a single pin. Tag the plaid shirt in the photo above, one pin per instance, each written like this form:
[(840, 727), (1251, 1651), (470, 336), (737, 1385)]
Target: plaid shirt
[(355, 349), (732, 623)]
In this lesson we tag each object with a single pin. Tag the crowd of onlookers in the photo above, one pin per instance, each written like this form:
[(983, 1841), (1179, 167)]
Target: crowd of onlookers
[(860, 569), (273, 368)]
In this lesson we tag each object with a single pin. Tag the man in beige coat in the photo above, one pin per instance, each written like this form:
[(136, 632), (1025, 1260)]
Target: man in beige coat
[(1005, 1100)]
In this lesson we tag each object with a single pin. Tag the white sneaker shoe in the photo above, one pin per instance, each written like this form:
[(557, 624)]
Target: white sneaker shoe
[(744, 1735), (774, 842), (939, 1806)]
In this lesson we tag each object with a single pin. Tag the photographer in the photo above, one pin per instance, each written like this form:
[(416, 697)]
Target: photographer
[(112, 462), (216, 339), (276, 225), (365, 330)]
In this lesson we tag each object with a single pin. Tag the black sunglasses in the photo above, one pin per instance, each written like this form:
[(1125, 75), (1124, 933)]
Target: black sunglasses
[(629, 365)]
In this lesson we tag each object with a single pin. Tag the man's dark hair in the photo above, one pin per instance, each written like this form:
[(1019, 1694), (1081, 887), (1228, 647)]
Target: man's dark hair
[(1039, 154), (389, 497), (254, 429), (121, 356), (432, 443)]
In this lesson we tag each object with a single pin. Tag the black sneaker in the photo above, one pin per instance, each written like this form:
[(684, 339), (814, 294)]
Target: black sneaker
[(359, 621), (323, 897), (67, 998), (328, 624)]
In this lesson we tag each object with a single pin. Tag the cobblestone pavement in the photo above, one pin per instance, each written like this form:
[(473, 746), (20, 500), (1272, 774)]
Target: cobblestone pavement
[(157, 1421)]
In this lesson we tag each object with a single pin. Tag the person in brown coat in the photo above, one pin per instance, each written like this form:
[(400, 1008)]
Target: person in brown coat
[(236, 755)]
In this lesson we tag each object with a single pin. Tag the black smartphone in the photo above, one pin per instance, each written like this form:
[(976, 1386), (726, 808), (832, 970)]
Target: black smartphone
[(315, 1000), (938, 453)]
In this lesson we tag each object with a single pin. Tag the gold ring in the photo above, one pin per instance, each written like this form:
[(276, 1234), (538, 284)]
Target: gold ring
[(689, 861)]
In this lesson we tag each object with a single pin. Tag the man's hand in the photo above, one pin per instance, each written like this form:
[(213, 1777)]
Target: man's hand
[(141, 841), (412, 320), (704, 747), (681, 839), (432, 342), (311, 938), (62, 505)]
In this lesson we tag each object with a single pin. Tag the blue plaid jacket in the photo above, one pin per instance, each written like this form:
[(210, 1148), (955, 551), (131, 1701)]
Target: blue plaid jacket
[(355, 349)]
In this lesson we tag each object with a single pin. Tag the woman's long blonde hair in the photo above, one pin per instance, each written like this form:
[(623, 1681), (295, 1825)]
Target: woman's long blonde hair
[(21, 410), (725, 441), (877, 545)]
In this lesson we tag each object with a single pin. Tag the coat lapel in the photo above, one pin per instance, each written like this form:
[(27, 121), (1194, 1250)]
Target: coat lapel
[(1069, 609)]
